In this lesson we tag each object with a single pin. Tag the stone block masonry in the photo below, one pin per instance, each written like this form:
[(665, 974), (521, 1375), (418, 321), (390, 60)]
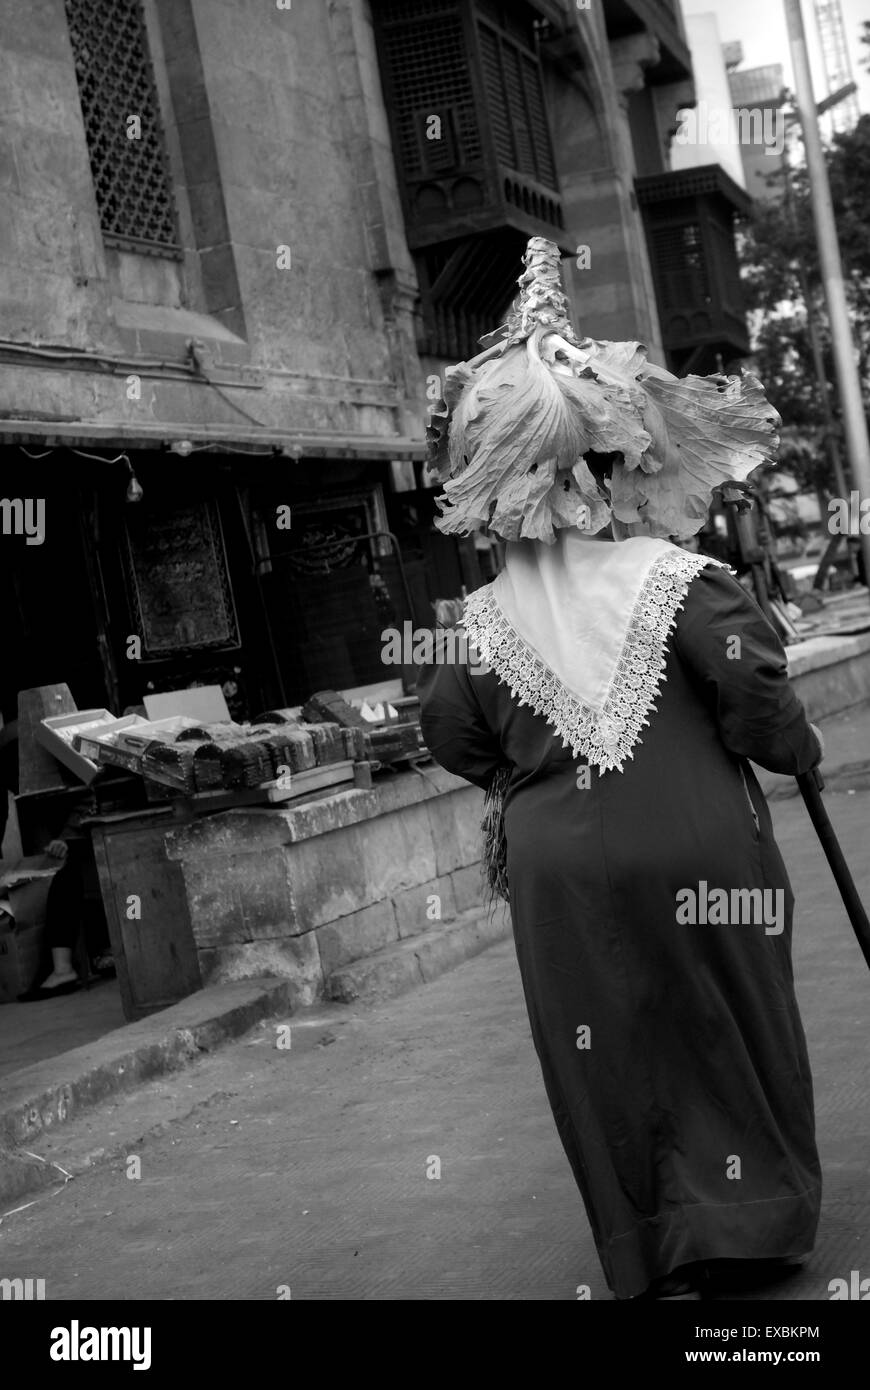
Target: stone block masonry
[(275, 136), (305, 892)]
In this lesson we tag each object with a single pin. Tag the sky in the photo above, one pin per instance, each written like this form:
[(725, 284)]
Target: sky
[(760, 27)]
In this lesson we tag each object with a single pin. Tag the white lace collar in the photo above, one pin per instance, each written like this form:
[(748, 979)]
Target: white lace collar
[(578, 631)]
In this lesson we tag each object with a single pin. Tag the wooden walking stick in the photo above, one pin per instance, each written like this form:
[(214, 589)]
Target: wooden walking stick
[(811, 785)]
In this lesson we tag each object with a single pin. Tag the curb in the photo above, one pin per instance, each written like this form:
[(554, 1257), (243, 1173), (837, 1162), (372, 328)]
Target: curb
[(23, 1175), (418, 960), (43, 1096), (51, 1091)]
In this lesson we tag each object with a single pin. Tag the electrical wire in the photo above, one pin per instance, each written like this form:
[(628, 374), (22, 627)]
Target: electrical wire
[(193, 370), (79, 355), (98, 458), (122, 458), (224, 397), (216, 447)]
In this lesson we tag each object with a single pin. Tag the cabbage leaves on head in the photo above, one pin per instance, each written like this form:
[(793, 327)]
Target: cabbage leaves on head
[(509, 437)]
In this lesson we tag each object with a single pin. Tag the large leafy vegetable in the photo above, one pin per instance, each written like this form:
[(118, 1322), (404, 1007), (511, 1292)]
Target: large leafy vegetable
[(509, 438)]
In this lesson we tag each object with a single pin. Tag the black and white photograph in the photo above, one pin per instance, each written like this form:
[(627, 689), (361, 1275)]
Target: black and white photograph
[(435, 670)]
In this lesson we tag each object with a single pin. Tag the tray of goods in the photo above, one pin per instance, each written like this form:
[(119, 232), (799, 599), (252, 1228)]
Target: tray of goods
[(207, 773), (301, 755), (139, 736), (328, 743), (354, 744), (291, 748), (245, 764), (278, 716), (61, 735), (100, 743), (272, 751), (198, 759), (388, 745), (170, 764), (329, 706), (109, 754), (407, 708), (277, 748)]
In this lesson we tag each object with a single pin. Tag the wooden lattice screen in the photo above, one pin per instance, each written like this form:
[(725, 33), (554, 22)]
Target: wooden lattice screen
[(131, 175), (466, 100)]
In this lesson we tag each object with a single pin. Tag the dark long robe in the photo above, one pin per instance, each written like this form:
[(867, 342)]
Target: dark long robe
[(686, 1111)]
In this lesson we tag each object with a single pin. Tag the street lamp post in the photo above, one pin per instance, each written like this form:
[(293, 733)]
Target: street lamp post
[(842, 342)]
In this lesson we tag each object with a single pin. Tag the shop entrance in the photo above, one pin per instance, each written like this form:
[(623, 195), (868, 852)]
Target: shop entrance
[(48, 629)]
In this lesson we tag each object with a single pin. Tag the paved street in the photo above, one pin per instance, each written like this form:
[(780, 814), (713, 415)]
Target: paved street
[(307, 1167)]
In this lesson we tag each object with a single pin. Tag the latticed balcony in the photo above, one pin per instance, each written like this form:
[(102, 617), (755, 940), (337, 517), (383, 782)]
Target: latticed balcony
[(689, 216), (465, 97), (474, 154)]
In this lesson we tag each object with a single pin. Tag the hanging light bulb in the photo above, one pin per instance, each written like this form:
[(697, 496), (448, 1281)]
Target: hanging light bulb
[(135, 492)]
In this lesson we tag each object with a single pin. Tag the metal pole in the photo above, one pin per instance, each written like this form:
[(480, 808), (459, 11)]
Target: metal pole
[(849, 381), (831, 446)]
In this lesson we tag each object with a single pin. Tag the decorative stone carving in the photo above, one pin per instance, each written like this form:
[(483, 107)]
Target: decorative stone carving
[(630, 57)]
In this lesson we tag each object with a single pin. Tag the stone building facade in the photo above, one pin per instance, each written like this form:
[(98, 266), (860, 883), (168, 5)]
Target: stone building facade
[(239, 241), (218, 290)]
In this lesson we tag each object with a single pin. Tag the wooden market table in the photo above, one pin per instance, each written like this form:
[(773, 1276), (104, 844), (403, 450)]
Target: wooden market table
[(143, 890)]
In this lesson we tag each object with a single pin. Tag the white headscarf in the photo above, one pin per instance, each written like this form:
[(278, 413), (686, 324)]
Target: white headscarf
[(578, 630)]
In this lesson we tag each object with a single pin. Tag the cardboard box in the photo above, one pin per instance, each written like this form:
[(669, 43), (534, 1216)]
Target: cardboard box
[(28, 870), (20, 957), (101, 745), (137, 737), (108, 755), (22, 939), (204, 704), (58, 731)]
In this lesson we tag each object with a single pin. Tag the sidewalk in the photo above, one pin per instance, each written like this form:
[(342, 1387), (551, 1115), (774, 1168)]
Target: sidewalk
[(50, 1089), (315, 1167), (847, 612), (33, 1032)]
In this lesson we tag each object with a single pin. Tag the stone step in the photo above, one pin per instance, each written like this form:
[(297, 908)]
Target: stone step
[(47, 1093), (419, 959)]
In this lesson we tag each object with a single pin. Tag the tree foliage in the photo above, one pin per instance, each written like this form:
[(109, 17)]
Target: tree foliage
[(782, 274)]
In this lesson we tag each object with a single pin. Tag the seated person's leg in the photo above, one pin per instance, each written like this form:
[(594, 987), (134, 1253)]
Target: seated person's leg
[(63, 923), (64, 915)]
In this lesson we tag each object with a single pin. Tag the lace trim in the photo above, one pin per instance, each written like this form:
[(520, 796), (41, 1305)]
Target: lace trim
[(608, 736)]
